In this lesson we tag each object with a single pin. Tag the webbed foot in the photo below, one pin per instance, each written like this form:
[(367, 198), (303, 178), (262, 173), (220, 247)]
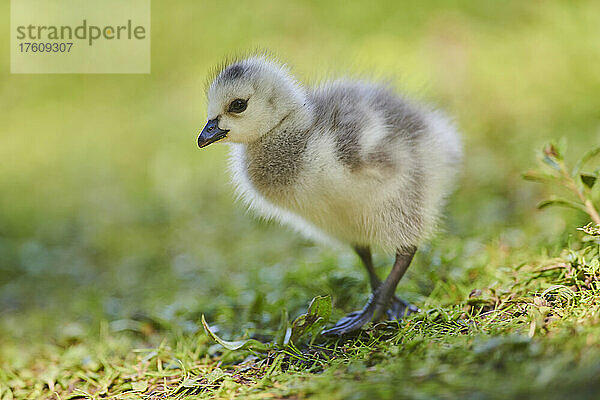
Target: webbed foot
[(397, 310), (382, 302), (353, 321)]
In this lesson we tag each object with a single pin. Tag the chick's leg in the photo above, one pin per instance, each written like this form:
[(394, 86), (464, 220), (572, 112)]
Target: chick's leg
[(382, 297), (399, 308), (365, 255)]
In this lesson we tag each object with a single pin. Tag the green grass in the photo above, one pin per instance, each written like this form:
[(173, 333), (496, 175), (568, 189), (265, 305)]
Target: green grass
[(531, 333), (117, 234)]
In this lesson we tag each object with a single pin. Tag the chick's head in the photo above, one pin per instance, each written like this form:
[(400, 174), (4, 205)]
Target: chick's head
[(248, 99)]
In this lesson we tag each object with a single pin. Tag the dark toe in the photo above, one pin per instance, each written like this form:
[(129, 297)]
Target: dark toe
[(400, 309), (350, 323)]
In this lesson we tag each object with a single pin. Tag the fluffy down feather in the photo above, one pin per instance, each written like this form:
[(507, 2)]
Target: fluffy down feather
[(348, 160)]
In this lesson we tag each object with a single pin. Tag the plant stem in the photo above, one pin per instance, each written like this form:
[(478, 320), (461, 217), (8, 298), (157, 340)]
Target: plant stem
[(589, 206), (592, 211)]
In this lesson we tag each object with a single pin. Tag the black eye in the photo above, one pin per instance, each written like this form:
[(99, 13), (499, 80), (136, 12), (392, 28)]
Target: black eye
[(237, 106)]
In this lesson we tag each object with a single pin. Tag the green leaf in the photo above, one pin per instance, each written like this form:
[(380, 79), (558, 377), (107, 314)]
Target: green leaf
[(595, 194), (215, 375), (561, 145), (139, 386), (540, 177), (585, 159), (315, 318), (235, 345), (283, 333), (556, 201), (588, 180)]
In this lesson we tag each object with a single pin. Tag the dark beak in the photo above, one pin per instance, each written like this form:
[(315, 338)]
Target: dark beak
[(211, 133)]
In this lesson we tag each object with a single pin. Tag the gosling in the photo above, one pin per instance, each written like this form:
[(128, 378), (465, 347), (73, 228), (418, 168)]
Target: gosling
[(348, 160)]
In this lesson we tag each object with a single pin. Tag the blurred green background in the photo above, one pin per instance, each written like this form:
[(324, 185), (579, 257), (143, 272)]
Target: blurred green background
[(109, 210)]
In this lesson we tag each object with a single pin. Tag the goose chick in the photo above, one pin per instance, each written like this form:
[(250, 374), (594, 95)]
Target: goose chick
[(347, 160)]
